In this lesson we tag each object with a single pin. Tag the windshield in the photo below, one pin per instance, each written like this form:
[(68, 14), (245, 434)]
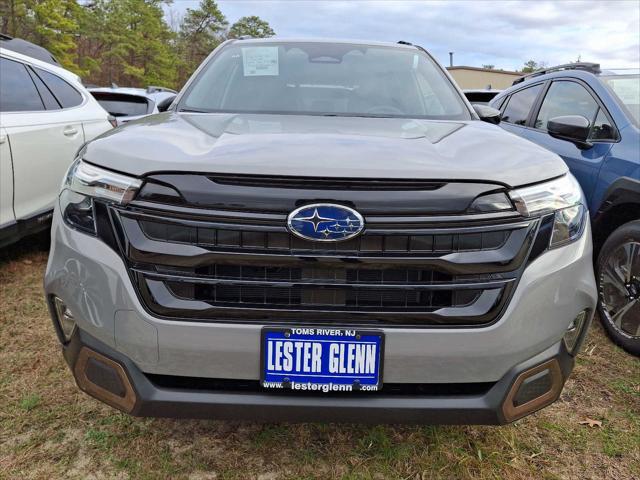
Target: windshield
[(324, 79), (627, 89)]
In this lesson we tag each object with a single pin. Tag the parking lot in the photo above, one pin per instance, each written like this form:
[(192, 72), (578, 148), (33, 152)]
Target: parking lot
[(49, 429)]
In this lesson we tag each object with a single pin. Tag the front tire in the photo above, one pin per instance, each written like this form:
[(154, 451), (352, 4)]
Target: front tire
[(618, 275)]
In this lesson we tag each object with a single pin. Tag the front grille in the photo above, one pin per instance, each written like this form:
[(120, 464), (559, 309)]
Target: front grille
[(222, 265)]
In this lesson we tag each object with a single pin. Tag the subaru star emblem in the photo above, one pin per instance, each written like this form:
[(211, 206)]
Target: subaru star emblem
[(325, 222)]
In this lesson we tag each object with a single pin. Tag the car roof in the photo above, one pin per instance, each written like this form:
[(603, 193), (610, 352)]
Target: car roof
[(61, 72), (27, 48), (155, 96), (276, 39), (481, 90), (583, 75), (139, 92), (124, 90)]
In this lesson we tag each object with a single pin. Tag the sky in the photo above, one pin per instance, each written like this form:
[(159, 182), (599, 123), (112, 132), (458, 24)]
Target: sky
[(501, 33)]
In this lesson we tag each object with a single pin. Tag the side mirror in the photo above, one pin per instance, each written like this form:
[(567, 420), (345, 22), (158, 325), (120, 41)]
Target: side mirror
[(487, 114), (573, 128), (164, 105)]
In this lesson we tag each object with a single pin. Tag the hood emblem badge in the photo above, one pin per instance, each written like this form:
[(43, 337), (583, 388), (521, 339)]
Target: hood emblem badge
[(325, 222)]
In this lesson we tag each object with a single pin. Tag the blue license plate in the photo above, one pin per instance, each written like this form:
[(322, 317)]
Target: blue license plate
[(321, 359)]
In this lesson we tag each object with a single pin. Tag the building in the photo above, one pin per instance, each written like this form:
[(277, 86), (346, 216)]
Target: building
[(476, 78)]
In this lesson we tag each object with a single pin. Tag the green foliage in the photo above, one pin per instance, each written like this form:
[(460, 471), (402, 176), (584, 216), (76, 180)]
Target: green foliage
[(131, 41), (127, 42), (532, 66), (252, 26), (202, 30), (30, 402), (52, 24)]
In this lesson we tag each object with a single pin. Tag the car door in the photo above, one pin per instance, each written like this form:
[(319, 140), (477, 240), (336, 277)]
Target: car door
[(43, 135), (516, 109), (571, 97), (6, 181)]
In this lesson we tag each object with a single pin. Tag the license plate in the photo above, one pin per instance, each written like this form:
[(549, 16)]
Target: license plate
[(321, 359)]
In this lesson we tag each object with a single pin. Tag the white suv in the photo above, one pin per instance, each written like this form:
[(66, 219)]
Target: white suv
[(46, 115)]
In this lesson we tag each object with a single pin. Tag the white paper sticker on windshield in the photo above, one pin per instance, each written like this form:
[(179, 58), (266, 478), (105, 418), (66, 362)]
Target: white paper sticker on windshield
[(258, 61)]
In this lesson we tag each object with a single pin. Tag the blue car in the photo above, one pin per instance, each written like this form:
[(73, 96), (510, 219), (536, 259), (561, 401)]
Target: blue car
[(591, 118)]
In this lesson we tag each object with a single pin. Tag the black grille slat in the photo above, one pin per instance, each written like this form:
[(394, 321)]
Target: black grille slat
[(276, 241), (328, 297), (344, 275)]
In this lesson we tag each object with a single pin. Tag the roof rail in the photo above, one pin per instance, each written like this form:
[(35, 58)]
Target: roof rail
[(154, 89), (403, 42), (586, 66)]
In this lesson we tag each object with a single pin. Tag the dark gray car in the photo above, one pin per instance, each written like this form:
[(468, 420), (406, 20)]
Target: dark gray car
[(321, 231)]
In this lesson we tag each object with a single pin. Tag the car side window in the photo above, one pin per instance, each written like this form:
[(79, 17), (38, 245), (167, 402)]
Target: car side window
[(602, 128), (566, 98), (66, 95), (47, 97), (519, 105), (17, 91), (501, 103)]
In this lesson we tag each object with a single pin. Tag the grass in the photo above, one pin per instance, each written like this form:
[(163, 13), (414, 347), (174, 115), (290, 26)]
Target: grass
[(49, 429)]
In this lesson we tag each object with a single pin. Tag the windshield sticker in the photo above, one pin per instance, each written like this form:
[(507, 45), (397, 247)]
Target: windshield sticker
[(260, 61)]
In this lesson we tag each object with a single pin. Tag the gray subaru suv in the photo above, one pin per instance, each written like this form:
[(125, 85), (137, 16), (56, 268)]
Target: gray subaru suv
[(321, 231)]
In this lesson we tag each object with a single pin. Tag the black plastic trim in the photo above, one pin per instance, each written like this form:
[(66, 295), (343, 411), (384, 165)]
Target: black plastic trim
[(14, 231), (479, 407), (269, 196), (624, 190)]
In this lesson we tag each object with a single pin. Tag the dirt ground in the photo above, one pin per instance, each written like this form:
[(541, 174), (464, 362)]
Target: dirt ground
[(49, 429)]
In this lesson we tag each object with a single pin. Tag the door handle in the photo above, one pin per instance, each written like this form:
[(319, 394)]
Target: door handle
[(70, 131), (3, 138)]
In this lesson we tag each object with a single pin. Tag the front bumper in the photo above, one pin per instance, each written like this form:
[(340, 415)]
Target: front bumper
[(93, 282), (143, 397)]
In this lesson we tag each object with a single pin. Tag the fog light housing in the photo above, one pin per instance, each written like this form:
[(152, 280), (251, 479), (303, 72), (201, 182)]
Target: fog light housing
[(532, 390), (104, 379), (533, 387), (64, 318), (574, 330)]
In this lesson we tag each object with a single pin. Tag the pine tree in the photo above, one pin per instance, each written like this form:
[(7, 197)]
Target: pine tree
[(252, 26), (202, 30)]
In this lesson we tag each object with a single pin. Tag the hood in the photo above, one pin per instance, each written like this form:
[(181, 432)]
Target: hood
[(315, 146)]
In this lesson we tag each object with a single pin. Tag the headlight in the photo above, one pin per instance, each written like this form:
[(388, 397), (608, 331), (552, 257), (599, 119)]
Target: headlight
[(562, 197), (493, 202), (85, 183)]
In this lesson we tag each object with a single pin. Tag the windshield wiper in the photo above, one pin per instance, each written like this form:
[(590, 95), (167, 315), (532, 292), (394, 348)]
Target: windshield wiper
[(193, 110), (356, 115)]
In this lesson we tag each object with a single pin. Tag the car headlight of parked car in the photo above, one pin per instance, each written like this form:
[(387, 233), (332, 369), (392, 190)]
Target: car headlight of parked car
[(563, 197), (85, 183)]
